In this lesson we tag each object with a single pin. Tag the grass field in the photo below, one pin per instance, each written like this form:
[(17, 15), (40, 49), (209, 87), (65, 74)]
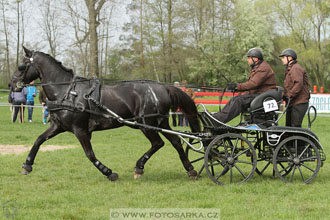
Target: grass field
[(65, 185)]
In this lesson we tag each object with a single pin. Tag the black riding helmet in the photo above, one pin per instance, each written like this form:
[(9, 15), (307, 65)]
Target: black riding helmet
[(255, 52), (289, 52)]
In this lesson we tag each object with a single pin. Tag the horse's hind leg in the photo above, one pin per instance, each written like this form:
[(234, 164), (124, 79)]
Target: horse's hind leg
[(156, 144), (175, 141), (84, 138), (52, 131)]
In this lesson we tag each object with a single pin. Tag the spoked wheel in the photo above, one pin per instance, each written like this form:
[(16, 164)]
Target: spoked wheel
[(296, 159), (230, 158)]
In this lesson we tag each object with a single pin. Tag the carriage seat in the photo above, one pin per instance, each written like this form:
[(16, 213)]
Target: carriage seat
[(257, 102), (256, 114)]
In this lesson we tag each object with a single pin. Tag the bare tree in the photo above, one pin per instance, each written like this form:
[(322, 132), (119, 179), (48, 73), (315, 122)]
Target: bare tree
[(50, 25), (6, 32), (94, 8)]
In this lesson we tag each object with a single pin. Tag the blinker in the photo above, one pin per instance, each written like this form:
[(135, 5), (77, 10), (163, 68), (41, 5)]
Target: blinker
[(22, 67)]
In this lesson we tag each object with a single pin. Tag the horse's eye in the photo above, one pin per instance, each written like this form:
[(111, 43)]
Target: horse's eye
[(22, 67)]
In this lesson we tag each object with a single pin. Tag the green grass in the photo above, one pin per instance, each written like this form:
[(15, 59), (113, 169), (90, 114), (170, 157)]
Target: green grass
[(65, 185)]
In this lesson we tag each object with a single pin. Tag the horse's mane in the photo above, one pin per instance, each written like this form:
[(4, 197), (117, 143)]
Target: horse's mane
[(58, 63)]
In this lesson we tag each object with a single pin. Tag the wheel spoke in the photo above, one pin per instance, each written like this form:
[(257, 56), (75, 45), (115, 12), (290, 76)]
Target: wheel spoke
[(307, 167), (304, 150), (246, 162), (215, 164), (309, 159), (239, 170), (301, 174), (216, 152), (284, 159), (225, 169), (287, 150), (296, 147), (244, 151), (231, 174), (285, 169), (235, 145), (294, 169)]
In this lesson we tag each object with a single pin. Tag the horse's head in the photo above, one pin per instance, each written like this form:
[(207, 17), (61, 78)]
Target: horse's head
[(26, 71)]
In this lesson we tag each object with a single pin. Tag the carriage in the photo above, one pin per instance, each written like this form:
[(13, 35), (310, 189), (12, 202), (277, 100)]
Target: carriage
[(229, 154), (232, 154)]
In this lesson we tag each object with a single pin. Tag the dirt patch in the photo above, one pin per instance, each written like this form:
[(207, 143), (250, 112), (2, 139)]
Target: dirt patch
[(19, 149)]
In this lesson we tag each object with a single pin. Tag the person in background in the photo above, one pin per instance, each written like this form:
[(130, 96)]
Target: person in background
[(18, 100), (191, 93), (181, 116), (261, 79), (296, 88), (31, 94), (42, 100), (174, 118)]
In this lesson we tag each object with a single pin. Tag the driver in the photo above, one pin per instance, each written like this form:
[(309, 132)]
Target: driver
[(261, 79)]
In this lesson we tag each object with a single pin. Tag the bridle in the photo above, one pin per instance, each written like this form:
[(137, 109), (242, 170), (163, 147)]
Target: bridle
[(27, 63)]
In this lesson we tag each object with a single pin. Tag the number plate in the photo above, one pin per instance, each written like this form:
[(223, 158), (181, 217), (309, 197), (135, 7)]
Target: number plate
[(270, 105)]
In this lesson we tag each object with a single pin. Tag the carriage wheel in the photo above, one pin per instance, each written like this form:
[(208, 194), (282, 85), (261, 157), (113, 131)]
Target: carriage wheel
[(296, 158), (230, 158)]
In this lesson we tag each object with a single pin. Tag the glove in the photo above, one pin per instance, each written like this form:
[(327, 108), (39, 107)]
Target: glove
[(231, 86), (286, 99)]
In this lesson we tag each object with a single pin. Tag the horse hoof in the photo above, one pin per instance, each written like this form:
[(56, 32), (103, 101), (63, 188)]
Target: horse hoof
[(26, 169), (193, 174), (113, 177), (25, 172), (137, 173)]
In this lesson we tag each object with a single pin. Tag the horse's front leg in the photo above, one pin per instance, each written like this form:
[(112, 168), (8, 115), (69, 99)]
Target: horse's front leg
[(156, 144), (52, 131), (84, 138)]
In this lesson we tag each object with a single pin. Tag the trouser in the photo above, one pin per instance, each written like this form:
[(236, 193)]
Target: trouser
[(295, 114), (20, 109), (45, 114), (30, 105), (234, 107), (174, 118)]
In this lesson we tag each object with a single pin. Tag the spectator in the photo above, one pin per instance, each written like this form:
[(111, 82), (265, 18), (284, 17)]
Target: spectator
[(191, 93), (174, 118), (296, 88), (42, 100), (31, 94), (18, 100)]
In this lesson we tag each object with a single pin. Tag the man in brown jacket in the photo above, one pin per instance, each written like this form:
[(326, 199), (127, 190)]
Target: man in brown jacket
[(296, 88), (261, 79)]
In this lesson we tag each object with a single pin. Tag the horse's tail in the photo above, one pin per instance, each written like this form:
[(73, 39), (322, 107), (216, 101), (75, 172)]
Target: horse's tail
[(180, 99)]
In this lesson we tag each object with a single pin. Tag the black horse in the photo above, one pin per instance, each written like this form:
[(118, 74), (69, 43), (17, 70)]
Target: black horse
[(81, 106)]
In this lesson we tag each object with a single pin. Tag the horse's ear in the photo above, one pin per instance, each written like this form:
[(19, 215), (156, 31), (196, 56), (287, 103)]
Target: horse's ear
[(28, 52)]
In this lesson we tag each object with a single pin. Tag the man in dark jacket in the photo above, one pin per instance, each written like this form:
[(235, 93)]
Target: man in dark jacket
[(261, 79), (18, 100), (296, 88)]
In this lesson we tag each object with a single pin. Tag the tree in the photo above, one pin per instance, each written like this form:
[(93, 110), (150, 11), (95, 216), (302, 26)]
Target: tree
[(94, 8), (304, 28), (50, 25), (6, 32)]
